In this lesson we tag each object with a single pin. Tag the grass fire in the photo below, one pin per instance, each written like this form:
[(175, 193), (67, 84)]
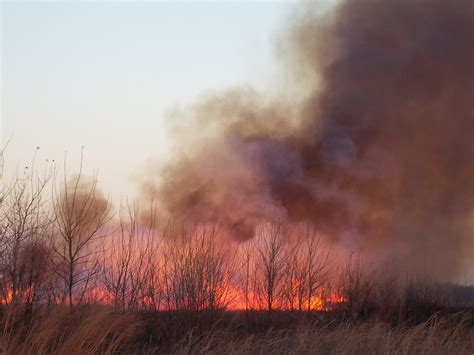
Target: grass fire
[(331, 211)]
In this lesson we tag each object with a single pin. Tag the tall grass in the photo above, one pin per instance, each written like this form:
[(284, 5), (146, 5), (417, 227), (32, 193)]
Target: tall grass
[(60, 331), (431, 337), (91, 330)]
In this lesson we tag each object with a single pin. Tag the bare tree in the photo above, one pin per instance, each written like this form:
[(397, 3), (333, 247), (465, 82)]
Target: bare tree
[(81, 214), (310, 268), (358, 285), (198, 269), (130, 264), (247, 275), (269, 264), (23, 252)]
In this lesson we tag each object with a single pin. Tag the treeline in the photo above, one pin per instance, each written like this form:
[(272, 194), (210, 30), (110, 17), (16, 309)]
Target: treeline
[(61, 244), (75, 275)]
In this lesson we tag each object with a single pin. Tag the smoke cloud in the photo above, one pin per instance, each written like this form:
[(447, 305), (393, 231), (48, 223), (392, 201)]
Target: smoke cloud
[(372, 141)]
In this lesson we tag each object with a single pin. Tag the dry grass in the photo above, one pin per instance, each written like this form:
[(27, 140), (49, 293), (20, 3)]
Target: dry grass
[(60, 331), (103, 331), (431, 337)]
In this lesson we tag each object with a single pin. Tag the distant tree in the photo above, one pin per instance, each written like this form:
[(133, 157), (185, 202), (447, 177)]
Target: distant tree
[(81, 214), (307, 270), (198, 269), (269, 263), (130, 262)]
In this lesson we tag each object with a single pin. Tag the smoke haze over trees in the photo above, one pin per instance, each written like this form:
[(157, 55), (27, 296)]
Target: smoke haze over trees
[(371, 139)]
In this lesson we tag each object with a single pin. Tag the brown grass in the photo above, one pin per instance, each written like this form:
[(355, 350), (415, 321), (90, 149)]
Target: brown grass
[(431, 337), (100, 330), (60, 331)]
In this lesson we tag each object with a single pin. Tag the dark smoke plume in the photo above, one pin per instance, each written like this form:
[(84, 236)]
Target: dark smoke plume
[(372, 142)]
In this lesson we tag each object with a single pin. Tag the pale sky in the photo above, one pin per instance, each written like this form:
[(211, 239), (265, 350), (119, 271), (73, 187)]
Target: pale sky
[(103, 75)]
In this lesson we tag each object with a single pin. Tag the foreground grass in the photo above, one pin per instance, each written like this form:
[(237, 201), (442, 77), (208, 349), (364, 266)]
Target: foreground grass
[(369, 338), (92, 330)]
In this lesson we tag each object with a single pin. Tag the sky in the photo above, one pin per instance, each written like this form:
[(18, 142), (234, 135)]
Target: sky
[(104, 75)]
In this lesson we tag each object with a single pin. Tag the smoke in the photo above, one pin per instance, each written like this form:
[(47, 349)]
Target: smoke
[(372, 142), (82, 204)]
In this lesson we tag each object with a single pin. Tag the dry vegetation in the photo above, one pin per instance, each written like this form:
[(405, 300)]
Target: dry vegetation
[(103, 330), (74, 280)]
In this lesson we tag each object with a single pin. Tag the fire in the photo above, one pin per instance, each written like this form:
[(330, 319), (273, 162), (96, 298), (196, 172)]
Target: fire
[(271, 272), (9, 296), (237, 299), (325, 303), (323, 300)]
